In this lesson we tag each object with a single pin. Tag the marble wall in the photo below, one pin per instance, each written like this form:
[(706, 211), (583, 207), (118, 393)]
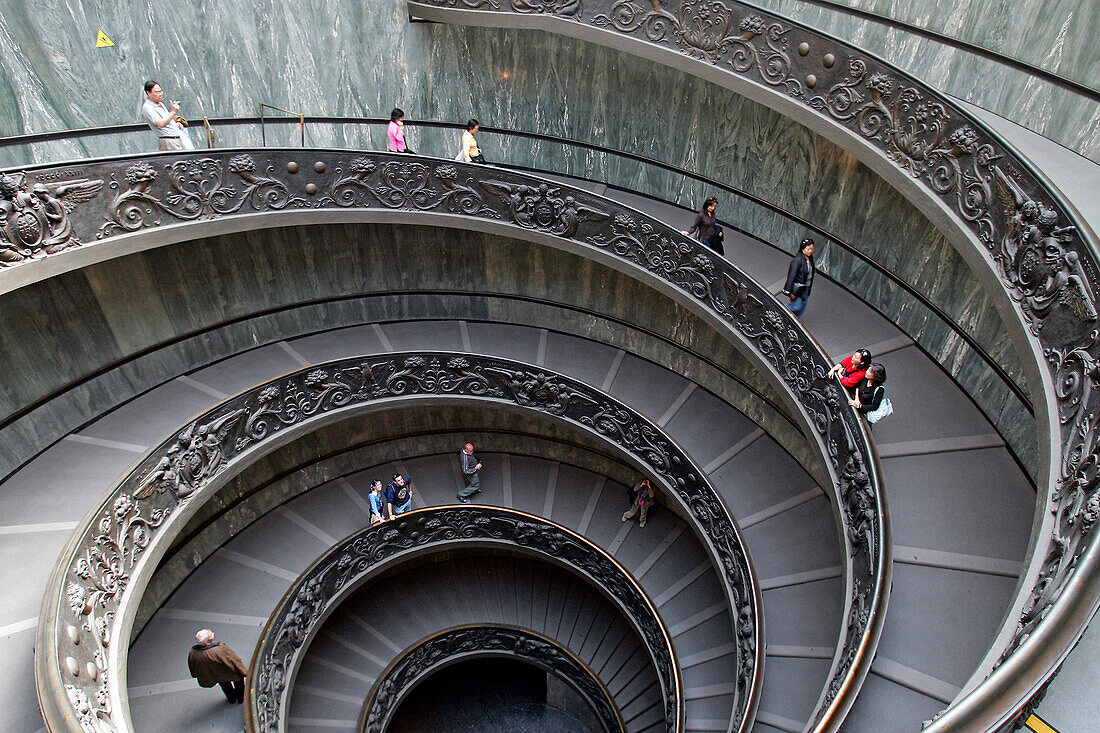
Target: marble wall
[(1056, 35), (89, 340), (361, 57)]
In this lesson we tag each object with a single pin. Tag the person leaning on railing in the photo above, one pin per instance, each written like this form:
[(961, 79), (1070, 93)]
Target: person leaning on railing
[(850, 370), (706, 227)]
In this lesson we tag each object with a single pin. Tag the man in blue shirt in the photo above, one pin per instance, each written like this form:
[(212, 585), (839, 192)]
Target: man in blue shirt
[(399, 497)]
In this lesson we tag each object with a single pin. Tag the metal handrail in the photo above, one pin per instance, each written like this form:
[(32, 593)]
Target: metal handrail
[(353, 561), (1019, 392), (469, 641), (1045, 74), (263, 130), (989, 199)]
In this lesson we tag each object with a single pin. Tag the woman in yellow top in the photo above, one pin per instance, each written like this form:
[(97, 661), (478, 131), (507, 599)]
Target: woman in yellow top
[(471, 153)]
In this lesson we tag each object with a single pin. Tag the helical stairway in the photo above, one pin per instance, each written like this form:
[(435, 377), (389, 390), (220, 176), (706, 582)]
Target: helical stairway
[(216, 351)]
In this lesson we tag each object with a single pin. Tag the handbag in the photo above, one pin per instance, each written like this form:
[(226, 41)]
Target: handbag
[(885, 409)]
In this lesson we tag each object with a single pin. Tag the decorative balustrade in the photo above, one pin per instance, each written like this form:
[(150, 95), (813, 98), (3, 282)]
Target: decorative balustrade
[(164, 198), (354, 560), (992, 203), (96, 589), (466, 642)]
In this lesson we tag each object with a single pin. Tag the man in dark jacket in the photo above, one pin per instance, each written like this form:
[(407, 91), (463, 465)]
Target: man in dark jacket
[(642, 498), (470, 468), (213, 663)]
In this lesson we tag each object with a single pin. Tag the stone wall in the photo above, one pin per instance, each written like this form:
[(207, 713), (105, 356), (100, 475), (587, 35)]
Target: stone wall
[(1055, 35)]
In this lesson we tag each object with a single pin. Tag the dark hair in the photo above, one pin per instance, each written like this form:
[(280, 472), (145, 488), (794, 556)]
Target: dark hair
[(877, 374), (375, 482), (706, 204), (395, 477), (805, 243), (397, 114), (149, 86), (864, 356), (471, 124)]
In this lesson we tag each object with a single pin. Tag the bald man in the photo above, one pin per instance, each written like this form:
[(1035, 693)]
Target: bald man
[(470, 468), (213, 663)]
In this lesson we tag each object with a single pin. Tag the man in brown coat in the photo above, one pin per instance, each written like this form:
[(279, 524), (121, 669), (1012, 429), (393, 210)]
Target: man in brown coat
[(213, 663)]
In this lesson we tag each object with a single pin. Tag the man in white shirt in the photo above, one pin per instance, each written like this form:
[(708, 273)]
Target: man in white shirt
[(170, 133)]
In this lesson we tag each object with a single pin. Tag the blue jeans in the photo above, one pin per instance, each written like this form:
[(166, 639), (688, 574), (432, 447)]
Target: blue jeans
[(798, 306), (403, 508)]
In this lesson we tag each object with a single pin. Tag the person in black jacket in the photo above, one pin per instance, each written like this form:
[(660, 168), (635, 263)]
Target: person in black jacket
[(870, 392), (800, 278)]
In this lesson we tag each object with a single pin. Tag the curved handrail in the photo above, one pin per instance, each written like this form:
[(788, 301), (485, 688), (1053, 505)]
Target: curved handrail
[(94, 592), (1018, 391), (1011, 61), (161, 198), (478, 641), (354, 560), (993, 204)]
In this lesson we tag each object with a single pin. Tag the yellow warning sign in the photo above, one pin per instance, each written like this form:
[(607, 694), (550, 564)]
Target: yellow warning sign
[(102, 40)]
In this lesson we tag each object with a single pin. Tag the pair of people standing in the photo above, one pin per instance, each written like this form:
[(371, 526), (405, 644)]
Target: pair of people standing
[(393, 501), (864, 380)]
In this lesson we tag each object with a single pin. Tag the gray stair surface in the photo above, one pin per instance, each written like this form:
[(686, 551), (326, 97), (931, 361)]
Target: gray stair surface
[(357, 642), (945, 466), (236, 588)]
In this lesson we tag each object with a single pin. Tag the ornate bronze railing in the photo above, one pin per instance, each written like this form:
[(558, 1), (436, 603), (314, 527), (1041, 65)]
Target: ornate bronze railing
[(95, 590), (999, 211), (124, 205), (471, 642), (825, 236), (356, 559)]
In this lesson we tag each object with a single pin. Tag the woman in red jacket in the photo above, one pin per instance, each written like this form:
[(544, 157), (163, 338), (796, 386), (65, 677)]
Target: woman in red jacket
[(851, 369)]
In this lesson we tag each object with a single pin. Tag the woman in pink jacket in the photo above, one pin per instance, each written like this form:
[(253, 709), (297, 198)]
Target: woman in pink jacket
[(396, 132)]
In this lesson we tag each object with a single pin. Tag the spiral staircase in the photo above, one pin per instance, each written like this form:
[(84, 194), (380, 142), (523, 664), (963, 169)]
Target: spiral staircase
[(201, 313)]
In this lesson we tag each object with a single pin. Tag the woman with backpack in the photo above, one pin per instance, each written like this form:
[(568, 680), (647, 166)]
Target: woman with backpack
[(870, 399)]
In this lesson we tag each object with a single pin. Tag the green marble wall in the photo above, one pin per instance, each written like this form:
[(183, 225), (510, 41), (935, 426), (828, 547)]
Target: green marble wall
[(136, 321), (361, 57), (1056, 35)]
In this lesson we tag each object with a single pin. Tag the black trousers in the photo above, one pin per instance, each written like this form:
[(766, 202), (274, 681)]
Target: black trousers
[(234, 691)]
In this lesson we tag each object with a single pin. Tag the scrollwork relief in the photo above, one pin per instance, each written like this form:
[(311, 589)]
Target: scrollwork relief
[(712, 32), (472, 641), (319, 590), (1043, 258), (179, 469)]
